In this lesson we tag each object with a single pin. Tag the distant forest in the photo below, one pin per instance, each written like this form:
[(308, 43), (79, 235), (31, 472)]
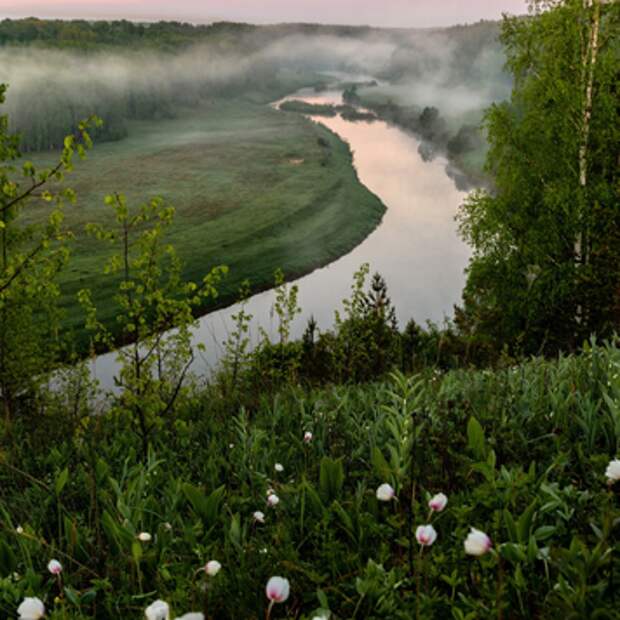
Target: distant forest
[(135, 71)]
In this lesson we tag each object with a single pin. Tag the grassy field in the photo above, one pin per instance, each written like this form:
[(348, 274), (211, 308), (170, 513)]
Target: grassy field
[(522, 454), (254, 189)]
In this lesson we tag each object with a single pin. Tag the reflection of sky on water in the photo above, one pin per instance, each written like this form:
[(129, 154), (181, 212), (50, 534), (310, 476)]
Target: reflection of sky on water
[(415, 248)]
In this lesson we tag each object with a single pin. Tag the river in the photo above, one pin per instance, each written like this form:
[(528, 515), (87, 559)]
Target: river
[(415, 248)]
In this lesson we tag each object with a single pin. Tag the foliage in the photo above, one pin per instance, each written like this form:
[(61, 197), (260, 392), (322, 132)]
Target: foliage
[(31, 256), (152, 299), (544, 275), (521, 453)]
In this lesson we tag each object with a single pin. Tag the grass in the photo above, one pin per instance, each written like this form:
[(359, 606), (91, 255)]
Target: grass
[(254, 189), (520, 452)]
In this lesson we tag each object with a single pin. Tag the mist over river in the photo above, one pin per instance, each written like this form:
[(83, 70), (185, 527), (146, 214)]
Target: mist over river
[(415, 248)]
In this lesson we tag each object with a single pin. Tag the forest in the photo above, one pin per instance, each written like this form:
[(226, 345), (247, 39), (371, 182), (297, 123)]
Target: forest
[(375, 469)]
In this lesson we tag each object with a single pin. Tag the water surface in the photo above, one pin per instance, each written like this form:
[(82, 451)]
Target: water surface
[(415, 248)]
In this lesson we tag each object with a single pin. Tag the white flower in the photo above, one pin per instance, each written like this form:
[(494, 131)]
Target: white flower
[(308, 437), (194, 615), (212, 568), (231, 445), (19, 529), (438, 502), (159, 610), (426, 535), (31, 608), (144, 537), (385, 493), (54, 567), (279, 467), (270, 491), (477, 542), (259, 516), (273, 500), (168, 526), (613, 471), (263, 550), (277, 589)]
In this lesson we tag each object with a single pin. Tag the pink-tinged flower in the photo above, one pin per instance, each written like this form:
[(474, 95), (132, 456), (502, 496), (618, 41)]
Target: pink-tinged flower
[(158, 610), (438, 502), (54, 567), (426, 535), (259, 516), (31, 608), (212, 568), (385, 493), (277, 589), (273, 500), (477, 543), (308, 437), (613, 471)]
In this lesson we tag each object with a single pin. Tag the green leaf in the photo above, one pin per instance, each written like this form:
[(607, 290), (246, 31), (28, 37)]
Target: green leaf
[(331, 479), (61, 481), (475, 439), (206, 507)]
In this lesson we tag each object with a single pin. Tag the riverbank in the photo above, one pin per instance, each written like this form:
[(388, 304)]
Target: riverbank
[(254, 189)]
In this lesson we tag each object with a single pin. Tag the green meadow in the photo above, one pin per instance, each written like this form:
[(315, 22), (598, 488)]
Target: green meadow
[(254, 189)]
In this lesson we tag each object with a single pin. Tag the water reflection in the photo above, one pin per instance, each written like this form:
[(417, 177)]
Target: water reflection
[(415, 248)]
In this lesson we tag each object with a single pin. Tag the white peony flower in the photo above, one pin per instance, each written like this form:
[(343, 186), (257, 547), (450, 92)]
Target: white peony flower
[(159, 610), (277, 589), (31, 608), (477, 543), (385, 493), (426, 535), (212, 568), (438, 502), (613, 471)]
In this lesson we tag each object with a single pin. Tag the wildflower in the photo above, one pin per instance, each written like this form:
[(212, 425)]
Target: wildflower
[(279, 467), (438, 502), (273, 500), (159, 610), (263, 550), (426, 535), (613, 471), (212, 568), (308, 437), (477, 543), (231, 445), (19, 529), (385, 493), (31, 608), (277, 589), (194, 615), (168, 526), (54, 567), (144, 537), (259, 516), (270, 491)]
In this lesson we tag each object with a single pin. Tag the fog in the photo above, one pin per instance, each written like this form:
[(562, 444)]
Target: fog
[(456, 72)]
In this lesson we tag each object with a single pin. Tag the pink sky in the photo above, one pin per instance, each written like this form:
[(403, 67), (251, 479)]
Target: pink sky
[(400, 13)]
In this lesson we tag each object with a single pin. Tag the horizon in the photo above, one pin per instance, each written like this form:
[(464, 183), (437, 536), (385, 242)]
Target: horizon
[(391, 14)]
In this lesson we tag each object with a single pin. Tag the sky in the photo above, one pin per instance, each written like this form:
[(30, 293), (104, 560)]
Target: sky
[(390, 13)]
